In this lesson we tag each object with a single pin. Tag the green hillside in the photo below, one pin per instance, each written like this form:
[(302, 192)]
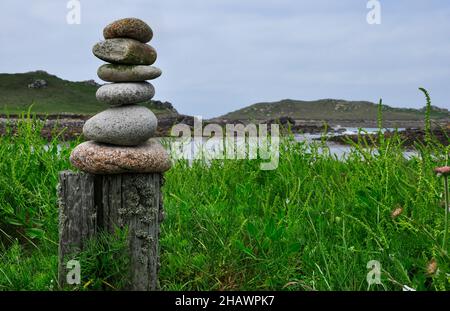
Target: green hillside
[(58, 96), (329, 109)]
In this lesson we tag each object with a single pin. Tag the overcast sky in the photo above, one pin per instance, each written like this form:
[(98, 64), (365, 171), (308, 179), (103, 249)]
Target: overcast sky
[(221, 55)]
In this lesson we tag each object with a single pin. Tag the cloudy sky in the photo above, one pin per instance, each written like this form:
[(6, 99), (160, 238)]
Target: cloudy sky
[(221, 55)]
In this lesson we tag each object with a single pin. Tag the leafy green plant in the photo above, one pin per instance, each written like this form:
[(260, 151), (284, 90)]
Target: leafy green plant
[(29, 169)]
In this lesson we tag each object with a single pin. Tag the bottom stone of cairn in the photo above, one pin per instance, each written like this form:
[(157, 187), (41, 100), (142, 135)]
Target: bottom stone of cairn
[(99, 158)]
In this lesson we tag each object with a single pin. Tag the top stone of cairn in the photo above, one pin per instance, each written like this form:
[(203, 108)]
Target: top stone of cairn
[(133, 28)]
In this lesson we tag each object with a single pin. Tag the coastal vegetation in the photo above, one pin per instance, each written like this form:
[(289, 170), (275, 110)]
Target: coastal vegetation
[(312, 224)]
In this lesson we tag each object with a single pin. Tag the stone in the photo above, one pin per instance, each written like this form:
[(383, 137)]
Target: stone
[(125, 126), (127, 73), (125, 51), (38, 84), (91, 83), (98, 158), (116, 94), (133, 28), (163, 105)]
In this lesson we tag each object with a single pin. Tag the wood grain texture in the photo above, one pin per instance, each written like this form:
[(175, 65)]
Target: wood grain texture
[(77, 216), (92, 203)]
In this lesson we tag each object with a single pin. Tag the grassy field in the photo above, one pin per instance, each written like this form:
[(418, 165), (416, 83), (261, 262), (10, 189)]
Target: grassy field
[(312, 224), (60, 96)]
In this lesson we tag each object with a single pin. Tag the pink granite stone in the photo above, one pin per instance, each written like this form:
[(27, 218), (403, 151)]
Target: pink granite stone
[(98, 158)]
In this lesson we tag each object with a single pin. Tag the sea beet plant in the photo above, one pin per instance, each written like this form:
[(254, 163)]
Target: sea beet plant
[(427, 115), (445, 172)]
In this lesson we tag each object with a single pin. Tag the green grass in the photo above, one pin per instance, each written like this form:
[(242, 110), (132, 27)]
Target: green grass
[(60, 96), (312, 224)]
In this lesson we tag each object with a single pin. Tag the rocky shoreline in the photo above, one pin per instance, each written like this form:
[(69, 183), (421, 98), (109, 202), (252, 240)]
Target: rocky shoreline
[(409, 137), (71, 127)]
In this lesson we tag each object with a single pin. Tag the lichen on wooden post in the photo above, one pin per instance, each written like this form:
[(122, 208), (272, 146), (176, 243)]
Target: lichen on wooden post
[(140, 212)]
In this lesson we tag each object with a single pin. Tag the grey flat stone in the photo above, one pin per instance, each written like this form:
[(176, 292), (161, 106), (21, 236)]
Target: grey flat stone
[(116, 94), (127, 73), (97, 158), (128, 125), (133, 28), (125, 51)]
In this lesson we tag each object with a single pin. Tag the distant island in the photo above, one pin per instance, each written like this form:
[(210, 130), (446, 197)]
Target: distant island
[(337, 112)]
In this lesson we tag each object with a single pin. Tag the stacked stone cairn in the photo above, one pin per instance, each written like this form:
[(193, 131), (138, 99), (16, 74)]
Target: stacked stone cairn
[(120, 138)]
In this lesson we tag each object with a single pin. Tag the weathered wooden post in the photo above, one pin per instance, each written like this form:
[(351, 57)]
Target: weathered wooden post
[(122, 166), (91, 203)]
